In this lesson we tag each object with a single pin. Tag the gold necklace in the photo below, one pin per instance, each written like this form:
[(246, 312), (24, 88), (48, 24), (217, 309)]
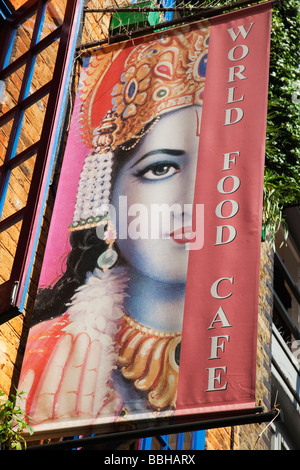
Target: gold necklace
[(150, 358)]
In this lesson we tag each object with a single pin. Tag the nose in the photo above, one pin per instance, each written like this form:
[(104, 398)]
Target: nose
[(183, 210), (186, 191)]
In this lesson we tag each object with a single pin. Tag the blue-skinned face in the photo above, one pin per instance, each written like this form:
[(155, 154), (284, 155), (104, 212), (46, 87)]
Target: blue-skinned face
[(156, 187)]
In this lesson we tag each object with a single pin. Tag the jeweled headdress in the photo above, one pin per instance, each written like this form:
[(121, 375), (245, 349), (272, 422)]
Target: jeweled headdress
[(159, 75)]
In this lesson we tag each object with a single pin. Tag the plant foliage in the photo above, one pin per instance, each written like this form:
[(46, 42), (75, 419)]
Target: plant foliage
[(13, 422), (283, 124), (282, 172)]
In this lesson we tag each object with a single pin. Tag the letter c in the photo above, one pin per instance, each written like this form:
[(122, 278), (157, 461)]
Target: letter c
[(214, 288)]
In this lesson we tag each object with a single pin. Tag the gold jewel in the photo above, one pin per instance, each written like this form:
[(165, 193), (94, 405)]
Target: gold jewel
[(158, 76), (150, 358), (109, 257), (142, 133)]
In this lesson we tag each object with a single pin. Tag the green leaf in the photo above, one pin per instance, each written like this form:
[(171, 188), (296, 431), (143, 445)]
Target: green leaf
[(13, 421)]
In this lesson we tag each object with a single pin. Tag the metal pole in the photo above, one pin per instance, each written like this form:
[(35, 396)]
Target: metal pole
[(145, 9), (209, 10), (203, 15), (160, 430)]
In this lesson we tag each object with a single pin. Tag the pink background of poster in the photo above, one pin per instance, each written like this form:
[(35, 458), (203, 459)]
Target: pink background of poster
[(58, 245)]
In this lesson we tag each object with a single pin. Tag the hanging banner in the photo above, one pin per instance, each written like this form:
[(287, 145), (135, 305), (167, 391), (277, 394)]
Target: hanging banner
[(148, 298), (222, 283)]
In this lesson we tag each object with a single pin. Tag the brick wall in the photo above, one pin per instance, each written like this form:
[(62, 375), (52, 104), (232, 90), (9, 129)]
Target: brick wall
[(10, 334), (222, 439), (13, 334), (248, 435)]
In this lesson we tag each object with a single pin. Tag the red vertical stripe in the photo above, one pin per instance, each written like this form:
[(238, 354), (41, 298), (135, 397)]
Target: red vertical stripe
[(217, 366)]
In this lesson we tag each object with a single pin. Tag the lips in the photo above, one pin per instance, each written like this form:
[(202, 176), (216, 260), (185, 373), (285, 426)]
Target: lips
[(183, 235)]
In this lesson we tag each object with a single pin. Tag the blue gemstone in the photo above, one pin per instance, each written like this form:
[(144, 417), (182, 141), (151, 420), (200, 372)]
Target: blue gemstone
[(131, 90), (202, 66)]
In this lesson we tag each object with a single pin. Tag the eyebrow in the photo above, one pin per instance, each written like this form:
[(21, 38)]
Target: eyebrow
[(172, 152)]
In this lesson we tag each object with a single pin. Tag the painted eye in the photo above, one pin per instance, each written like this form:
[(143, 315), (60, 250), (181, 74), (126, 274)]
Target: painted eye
[(158, 171)]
